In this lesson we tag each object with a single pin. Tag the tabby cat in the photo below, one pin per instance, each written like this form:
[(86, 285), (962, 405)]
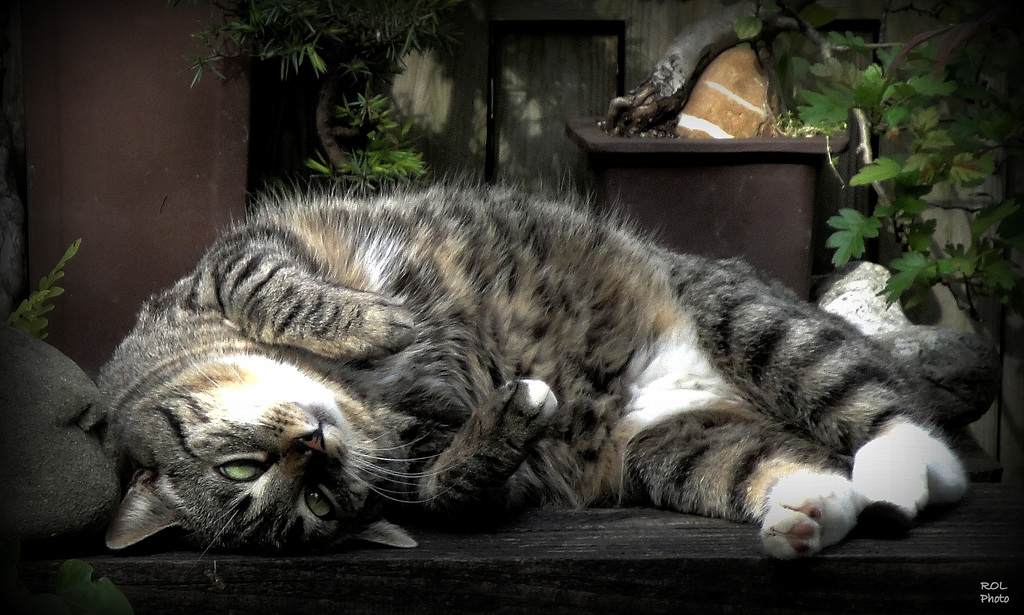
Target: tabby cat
[(460, 350)]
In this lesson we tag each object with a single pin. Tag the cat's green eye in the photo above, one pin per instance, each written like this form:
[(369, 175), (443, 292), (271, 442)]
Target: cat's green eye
[(241, 470), (318, 503)]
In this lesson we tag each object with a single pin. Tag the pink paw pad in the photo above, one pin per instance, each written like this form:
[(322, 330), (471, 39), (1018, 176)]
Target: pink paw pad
[(800, 535)]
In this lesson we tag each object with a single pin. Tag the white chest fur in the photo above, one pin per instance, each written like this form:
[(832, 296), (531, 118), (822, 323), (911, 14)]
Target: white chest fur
[(674, 376)]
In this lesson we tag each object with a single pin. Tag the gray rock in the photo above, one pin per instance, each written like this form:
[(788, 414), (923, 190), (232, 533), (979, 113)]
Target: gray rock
[(56, 480), (963, 370), (960, 370), (853, 292)]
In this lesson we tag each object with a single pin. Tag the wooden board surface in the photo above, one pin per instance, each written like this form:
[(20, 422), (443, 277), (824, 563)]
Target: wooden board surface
[(600, 561)]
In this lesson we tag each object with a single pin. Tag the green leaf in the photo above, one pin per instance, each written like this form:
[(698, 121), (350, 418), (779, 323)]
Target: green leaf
[(956, 263), (847, 39), (1011, 230), (935, 140), (920, 235), (85, 596), (829, 107), (999, 273), (925, 165), (930, 85), (748, 27), (968, 170), (853, 228), (895, 116), (881, 169), (817, 15), (909, 206), (925, 119), (990, 216), (912, 268)]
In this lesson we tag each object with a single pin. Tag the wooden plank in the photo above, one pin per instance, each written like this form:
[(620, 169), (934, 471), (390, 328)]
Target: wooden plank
[(605, 560)]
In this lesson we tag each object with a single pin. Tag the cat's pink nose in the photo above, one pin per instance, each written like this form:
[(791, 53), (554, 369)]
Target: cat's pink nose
[(314, 440)]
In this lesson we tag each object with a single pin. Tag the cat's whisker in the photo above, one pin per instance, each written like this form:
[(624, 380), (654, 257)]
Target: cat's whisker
[(400, 445), (359, 453), (388, 494), (391, 475), (368, 462), (213, 541)]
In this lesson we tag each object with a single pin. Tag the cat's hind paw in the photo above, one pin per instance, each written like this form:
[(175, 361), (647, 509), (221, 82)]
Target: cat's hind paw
[(808, 512), (909, 468)]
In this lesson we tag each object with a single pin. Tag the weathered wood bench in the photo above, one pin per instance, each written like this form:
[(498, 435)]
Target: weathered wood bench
[(602, 561)]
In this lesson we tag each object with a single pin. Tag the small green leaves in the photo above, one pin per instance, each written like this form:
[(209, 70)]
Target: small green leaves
[(748, 27), (29, 315), (911, 268), (880, 170), (853, 228), (325, 36), (829, 107), (388, 157)]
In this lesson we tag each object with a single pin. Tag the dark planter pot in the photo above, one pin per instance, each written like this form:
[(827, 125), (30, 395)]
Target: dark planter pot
[(717, 197)]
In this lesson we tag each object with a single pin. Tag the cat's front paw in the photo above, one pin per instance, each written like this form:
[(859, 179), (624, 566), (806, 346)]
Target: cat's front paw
[(369, 326), (388, 328), (536, 398), (808, 512), (528, 408)]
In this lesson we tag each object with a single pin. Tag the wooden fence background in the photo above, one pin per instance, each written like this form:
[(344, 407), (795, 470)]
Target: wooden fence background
[(496, 107)]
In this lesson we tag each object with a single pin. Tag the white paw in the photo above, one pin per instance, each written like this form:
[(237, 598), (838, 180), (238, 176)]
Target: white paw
[(808, 512), (909, 468), (539, 396)]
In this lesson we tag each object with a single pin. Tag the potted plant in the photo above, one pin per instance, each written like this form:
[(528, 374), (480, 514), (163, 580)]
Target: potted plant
[(334, 60), (696, 153), (752, 196)]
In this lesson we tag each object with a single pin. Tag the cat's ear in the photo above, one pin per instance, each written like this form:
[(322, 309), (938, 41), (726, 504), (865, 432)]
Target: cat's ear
[(142, 513), (386, 533)]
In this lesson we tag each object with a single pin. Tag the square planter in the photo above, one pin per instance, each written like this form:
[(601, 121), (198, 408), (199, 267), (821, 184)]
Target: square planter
[(717, 197)]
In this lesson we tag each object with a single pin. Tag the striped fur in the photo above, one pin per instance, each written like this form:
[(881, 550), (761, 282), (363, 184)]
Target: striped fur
[(465, 348)]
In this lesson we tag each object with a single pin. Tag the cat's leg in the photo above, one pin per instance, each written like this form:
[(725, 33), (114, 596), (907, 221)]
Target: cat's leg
[(728, 464), (270, 290), (909, 467), (489, 447)]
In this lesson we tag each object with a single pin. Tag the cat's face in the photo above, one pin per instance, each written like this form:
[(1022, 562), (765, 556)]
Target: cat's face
[(248, 452)]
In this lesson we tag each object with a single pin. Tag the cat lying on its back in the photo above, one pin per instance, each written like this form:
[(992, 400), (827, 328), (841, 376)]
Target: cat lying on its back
[(455, 348)]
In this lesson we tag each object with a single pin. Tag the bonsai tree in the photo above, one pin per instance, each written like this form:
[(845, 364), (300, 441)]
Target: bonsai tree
[(657, 101), (947, 104), (352, 49)]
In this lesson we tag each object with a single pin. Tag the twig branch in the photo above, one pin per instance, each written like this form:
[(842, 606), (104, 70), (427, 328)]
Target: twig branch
[(867, 156), (324, 130)]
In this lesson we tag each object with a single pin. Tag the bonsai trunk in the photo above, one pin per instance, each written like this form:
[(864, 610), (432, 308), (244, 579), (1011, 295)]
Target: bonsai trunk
[(663, 93), (326, 130)]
